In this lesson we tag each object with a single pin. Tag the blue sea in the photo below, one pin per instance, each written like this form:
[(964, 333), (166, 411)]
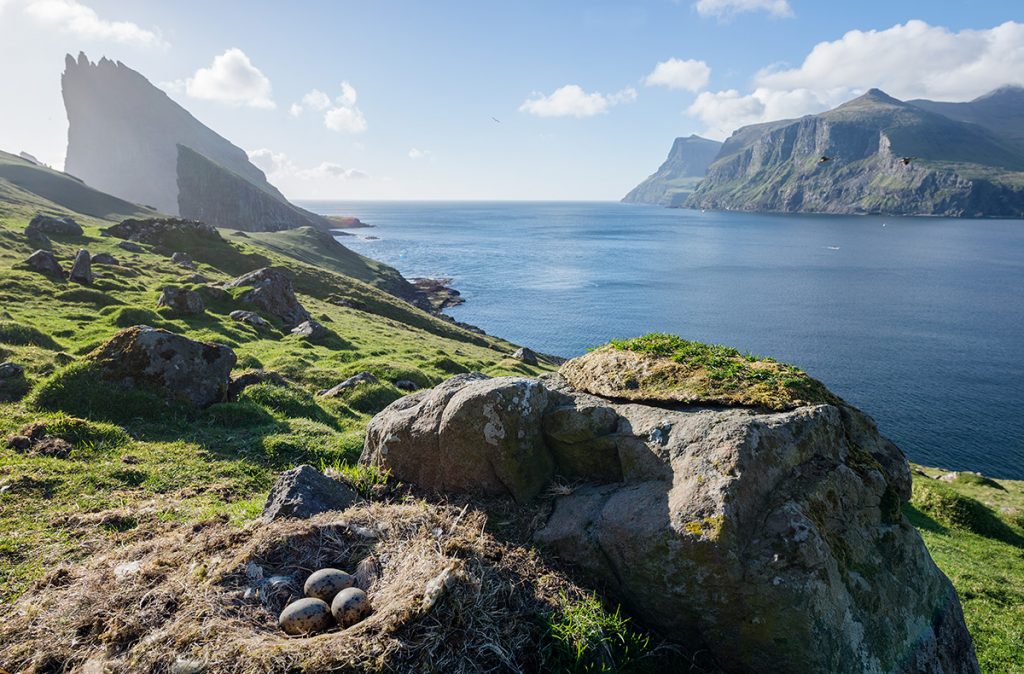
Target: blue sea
[(917, 321)]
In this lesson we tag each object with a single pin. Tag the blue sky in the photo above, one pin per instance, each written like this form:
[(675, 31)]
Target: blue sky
[(424, 80)]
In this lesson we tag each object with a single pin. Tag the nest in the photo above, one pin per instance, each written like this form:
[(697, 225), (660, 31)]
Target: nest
[(447, 597)]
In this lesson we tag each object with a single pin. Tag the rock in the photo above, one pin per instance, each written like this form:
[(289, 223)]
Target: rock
[(11, 370), (48, 224), (273, 294), (34, 439), (131, 247), (183, 260), (350, 303), (250, 317), (303, 492), (81, 270), (469, 434), (181, 369), (252, 377), (325, 584), (311, 330), (181, 301), (406, 385), (163, 231), (351, 382), (104, 259), (196, 279), (350, 606), (305, 616), (525, 355), (45, 263)]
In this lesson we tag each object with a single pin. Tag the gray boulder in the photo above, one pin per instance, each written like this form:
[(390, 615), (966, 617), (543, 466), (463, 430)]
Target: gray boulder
[(526, 356), (303, 492), (181, 301), (469, 434), (311, 330), (183, 260), (47, 224), (272, 292), (183, 370), (11, 370), (131, 247), (45, 263), (81, 270), (251, 318), (406, 385), (350, 383), (776, 540), (105, 259)]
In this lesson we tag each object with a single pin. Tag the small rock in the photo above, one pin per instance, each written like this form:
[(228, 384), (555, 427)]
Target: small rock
[(325, 584), (44, 262), (81, 270), (272, 293), (351, 382), (183, 260), (131, 247), (305, 616), (526, 356), (11, 370), (104, 259), (406, 385), (350, 606), (196, 279), (250, 317), (47, 224), (311, 330), (303, 492), (182, 301)]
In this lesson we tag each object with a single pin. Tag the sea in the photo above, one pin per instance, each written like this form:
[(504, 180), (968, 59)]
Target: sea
[(917, 321)]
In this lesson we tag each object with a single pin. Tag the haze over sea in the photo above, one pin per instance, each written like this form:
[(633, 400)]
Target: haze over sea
[(917, 321)]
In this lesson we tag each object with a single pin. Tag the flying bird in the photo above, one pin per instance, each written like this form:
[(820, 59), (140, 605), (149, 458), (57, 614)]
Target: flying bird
[(824, 158), (906, 160), (496, 120)]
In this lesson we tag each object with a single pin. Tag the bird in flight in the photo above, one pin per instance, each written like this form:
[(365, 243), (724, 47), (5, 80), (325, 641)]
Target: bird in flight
[(824, 158), (496, 120), (906, 160)]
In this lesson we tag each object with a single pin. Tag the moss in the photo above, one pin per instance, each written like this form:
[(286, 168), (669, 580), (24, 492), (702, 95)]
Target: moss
[(80, 390), (16, 333), (88, 296), (952, 509), (243, 414), (371, 398), (286, 402)]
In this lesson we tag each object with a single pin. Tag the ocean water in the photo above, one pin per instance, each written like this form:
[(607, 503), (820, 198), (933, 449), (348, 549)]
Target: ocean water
[(917, 321)]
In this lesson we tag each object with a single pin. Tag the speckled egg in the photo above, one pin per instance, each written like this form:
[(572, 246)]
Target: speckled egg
[(350, 606), (326, 583), (305, 616)]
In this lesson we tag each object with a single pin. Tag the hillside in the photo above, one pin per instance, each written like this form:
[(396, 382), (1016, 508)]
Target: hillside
[(1000, 111), (679, 175), (851, 160), (123, 139)]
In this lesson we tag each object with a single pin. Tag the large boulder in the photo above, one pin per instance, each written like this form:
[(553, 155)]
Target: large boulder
[(525, 355), (183, 370), (162, 231), (81, 270), (43, 224), (271, 291), (303, 492), (181, 301), (470, 434), (43, 262), (775, 539)]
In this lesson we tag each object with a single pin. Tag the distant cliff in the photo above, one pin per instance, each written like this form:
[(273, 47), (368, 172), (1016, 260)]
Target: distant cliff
[(874, 154), (123, 139), (676, 178)]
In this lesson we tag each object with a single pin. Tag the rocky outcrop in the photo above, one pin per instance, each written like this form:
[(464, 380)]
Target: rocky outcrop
[(181, 369), (311, 330), (43, 262), (162, 231), (183, 260), (250, 318), (679, 175), (525, 355), (272, 293), (105, 259), (181, 301), (81, 270), (52, 225), (303, 492), (775, 539)]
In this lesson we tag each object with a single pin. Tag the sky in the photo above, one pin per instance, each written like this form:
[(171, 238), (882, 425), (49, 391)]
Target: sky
[(525, 100)]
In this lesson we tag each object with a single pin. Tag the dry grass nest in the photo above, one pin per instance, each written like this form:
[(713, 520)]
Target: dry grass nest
[(447, 597)]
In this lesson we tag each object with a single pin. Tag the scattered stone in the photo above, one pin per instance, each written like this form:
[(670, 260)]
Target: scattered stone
[(303, 492), (131, 247), (196, 279), (48, 224), (34, 439), (81, 270), (325, 584), (183, 260), (158, 231), (11, 370), (181, 301), (406, 385), (251, 378), (350, 303), (182, 369), (251, 318), (350, 606), (305, 616), (351, 382), (526, 356), (311, 330), (44, 262), (104, 259), (272, 293)]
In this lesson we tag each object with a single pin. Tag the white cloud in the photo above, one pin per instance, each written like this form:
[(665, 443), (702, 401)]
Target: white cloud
[(724, 9), (233, 79), (341, 114), (278, 165), (911, 60), (346, 120), (331, 170), (572, 101), (674, 73), (73, 17), (315, 100), (271, 162), (416, 153)]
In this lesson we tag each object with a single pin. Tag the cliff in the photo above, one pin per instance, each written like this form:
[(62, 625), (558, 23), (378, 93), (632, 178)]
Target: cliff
[(874, 154), (678, 176), (123, 139), (1000, 111)]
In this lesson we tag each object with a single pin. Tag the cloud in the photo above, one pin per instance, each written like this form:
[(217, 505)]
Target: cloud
[(232, 79), (416, 153), (278, 165), (315, 100), (70, 16), (911, 60), (345, 116), (572, 101), (676, 73), (725, 9)]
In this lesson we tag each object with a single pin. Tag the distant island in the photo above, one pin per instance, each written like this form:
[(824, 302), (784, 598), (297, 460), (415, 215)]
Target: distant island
[(873, 154)]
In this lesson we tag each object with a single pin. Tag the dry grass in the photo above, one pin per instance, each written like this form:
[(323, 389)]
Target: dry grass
[(447, 597)]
